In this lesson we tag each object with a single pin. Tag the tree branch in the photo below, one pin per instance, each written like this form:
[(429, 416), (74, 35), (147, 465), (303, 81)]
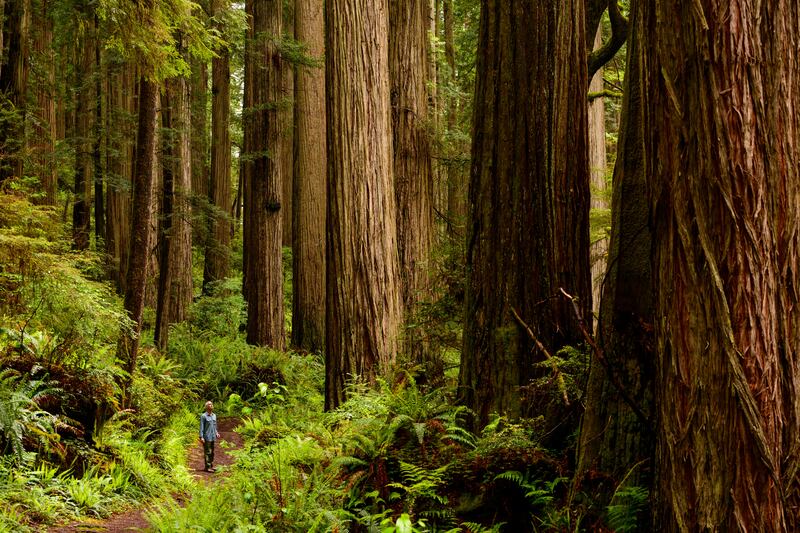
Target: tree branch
[(604, 362), (562, 387), (619, 34)]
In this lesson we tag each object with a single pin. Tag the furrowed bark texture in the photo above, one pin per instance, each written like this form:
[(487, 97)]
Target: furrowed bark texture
[(141, 233), (82, 205), (121, 111), (308, 305), (264, 275), (13, 86), (199, 131), (175, 286), (529, 198), (413, 178), (44, 123), (217, 263), (597, 167), (613, 440), (363, 280), (722, 138), (287, 136)]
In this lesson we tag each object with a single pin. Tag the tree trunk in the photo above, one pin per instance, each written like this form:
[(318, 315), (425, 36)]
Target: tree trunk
[(121, 111), (175, 276), (308, 305), (13, 86), (456, 182), (529, 171), (82, 206), (413, 178), (615, 443), (97, 140), (363, 307), (217, 263), (721, 154), (597, 167), (262, 150), (44, 87), (287, 136), (141, 235), (199, 131)]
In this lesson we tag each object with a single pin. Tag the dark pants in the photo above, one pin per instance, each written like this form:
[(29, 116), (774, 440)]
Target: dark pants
[(208, 450)]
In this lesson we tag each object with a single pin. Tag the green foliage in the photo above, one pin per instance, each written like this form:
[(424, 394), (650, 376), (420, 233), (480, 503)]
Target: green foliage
[(20, 416), (627, 508)]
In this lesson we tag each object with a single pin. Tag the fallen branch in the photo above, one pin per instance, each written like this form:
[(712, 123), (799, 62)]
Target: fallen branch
[(601, 358), (562, 387)]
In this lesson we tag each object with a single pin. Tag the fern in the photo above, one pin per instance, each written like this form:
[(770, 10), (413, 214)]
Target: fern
[(474, 527), (626, 507)]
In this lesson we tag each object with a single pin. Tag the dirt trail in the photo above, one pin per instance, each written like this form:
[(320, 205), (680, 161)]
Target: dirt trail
[(134, 520)]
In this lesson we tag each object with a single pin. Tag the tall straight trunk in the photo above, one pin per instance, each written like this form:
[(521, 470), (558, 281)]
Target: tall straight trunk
[(199, 130), (287, 136), (456, 182), (262, 149), (413, 177), (722, 129), (13, 87), (615, 443), (97, 140), (597, 167), (529, 196), (82, 140), (309, 186), (175, 289), (364, 297), (121, 139), (217, 253), (44, 88), (141, 236)]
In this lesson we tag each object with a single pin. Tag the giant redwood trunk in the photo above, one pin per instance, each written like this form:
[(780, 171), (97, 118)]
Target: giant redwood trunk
[(175, 288), (363, 282), (413, 178), (217, 263), (722, 131), (615, 442), (43, 132), (264, 270), (309, 185), (141, 236), (528, 232)]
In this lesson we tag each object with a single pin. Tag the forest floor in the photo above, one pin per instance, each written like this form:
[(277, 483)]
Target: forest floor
[(134, 519)]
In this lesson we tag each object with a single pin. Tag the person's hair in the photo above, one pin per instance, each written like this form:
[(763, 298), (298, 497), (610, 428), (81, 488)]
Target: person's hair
[(209, 402)]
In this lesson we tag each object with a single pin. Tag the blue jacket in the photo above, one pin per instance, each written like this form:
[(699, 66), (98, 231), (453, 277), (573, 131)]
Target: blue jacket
[(208, 427)]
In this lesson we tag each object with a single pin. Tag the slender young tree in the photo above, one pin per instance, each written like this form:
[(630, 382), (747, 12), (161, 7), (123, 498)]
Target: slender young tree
[(217, 261), (529, 196), (263, 280), (721, 129), (309, 185), (364, 309), (82, 141)]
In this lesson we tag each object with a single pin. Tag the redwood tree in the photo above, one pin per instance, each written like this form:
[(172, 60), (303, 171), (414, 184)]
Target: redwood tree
[(528, 234), (308, 304), (363, 282), (721, 127), (263, 279), (413, 179), (217, 255)]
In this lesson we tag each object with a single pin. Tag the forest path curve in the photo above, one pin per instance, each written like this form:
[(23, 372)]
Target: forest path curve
[(135, 520)]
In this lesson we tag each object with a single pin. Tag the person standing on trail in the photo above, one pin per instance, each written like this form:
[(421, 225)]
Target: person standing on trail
[(208, 435)]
